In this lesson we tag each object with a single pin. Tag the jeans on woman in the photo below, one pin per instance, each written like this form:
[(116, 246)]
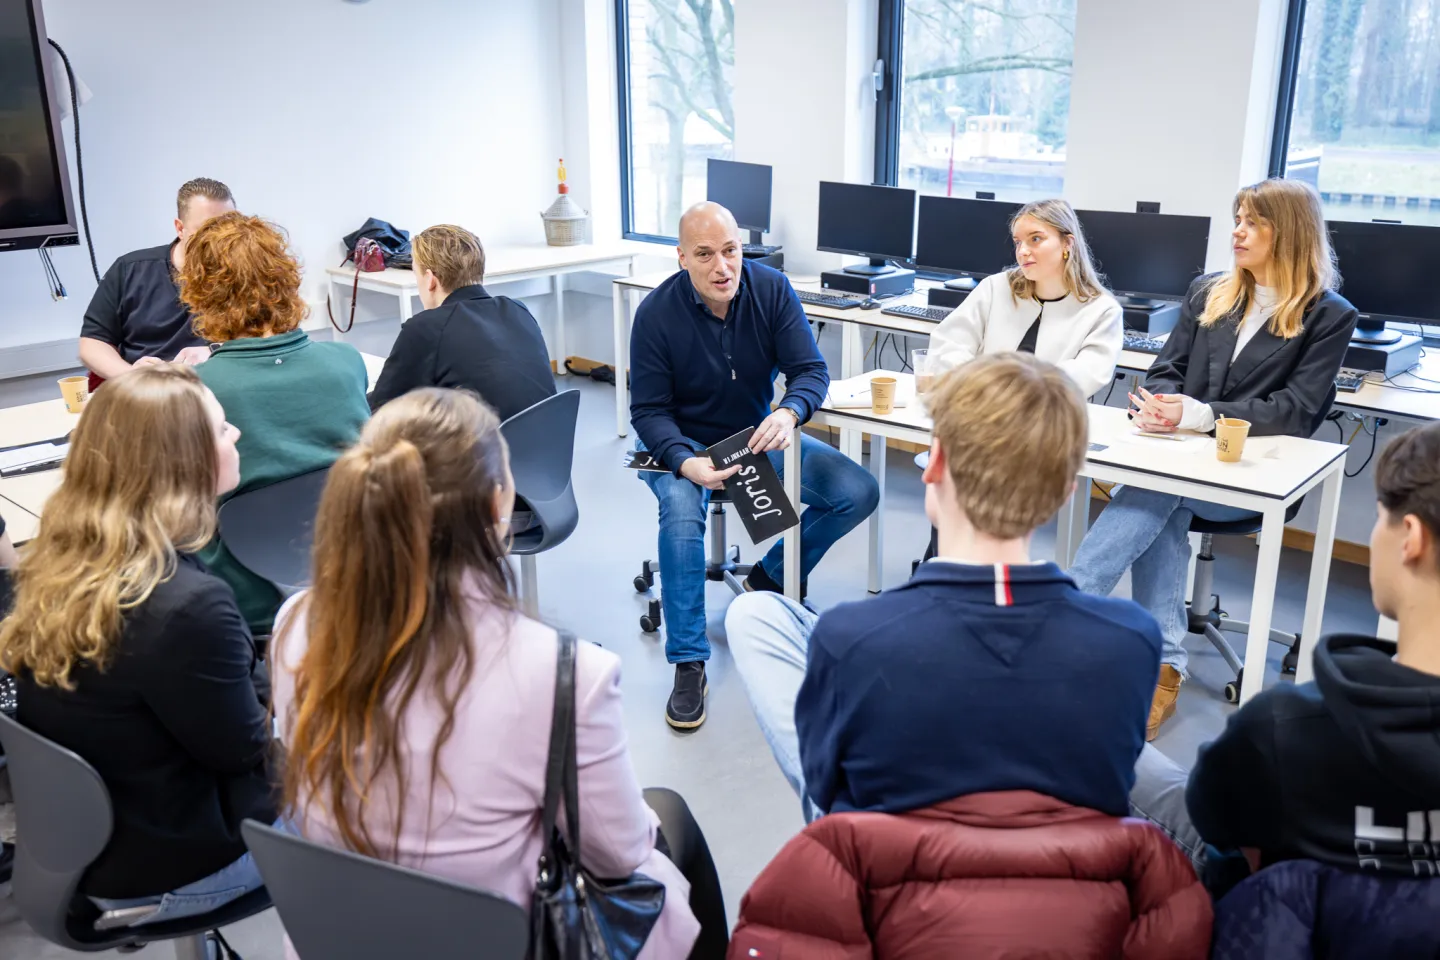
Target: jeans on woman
[(211, 893), (837, 492), (1147, 533)]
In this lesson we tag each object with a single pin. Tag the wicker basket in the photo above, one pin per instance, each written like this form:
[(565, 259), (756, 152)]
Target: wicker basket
[(565, 222)]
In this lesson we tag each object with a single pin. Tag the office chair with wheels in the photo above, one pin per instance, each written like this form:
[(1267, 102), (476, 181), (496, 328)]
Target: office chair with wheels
[(63, 820), (271, 529), (723, 564), (339, 905), (1203, 611), (541, 439)]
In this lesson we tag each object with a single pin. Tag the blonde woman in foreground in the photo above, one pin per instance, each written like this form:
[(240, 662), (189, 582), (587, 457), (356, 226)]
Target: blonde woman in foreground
[(1261, 342)]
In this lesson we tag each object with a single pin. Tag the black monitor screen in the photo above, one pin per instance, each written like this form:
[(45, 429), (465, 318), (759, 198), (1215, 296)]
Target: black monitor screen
[(1146, 254), (876, 222), (30, 188), (965, 236), (1384, 268), (743, 189)]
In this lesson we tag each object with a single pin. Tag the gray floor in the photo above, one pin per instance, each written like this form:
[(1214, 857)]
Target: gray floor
[(724, 769)]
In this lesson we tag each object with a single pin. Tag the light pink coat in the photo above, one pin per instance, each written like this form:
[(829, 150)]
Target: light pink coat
[(483, 827)]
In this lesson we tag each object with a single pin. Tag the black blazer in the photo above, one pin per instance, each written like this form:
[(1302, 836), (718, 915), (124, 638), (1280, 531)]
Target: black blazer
[(472, 341), (1283, 387), (176, 729)]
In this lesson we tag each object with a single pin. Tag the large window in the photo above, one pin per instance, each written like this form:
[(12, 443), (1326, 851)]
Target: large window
[(978, 96), (676, 58), (1359, 115)]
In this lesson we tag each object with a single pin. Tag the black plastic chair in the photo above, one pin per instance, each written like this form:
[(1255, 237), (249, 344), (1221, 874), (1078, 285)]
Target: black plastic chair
[(541, 439), (270, 530), (689, 852), (63, 821), (723, 564), (338, 905)]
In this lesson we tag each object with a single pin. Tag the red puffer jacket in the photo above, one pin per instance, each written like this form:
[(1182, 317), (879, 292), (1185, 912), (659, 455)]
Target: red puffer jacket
[(995, 875)]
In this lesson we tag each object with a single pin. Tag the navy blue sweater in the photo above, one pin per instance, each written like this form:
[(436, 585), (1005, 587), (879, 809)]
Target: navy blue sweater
[(976, 678), (695, 380)]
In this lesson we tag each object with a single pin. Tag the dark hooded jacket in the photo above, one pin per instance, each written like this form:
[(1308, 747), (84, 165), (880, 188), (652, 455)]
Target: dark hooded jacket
[(1344, 770)]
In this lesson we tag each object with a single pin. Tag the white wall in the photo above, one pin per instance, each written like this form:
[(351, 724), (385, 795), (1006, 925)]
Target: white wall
[(317, 113)]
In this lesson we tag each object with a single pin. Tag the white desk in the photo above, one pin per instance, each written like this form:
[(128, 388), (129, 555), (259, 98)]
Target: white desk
[(1276, 472), (34, 422), (505, 264)]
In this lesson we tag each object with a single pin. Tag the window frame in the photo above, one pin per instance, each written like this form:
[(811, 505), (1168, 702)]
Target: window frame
[(623, 112), (889, 53), (1285, 88)]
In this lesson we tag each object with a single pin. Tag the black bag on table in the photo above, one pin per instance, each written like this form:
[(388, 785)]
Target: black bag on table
[(394, 243)]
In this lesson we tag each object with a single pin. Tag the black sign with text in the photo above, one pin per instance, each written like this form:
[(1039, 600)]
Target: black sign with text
[(755, 488)]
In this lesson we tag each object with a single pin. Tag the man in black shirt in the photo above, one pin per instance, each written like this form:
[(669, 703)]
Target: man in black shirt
[(465, 338), (136, 316), (1344, 770)]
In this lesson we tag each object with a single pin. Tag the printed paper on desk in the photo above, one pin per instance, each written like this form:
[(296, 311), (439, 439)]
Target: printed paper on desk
[(1169, 442), (854, 392), (755, 489)]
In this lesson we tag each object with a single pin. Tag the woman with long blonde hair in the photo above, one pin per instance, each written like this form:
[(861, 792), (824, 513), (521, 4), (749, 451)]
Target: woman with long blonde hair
[(414, 698), (1261, 342), (131, 654)]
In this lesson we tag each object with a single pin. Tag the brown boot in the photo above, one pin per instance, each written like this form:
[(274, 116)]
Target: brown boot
[(1166, 693)]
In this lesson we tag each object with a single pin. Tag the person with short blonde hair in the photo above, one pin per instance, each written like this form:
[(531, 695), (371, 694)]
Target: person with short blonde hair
[(465, 338), (988, 670), (1260, 342), (298, 403)]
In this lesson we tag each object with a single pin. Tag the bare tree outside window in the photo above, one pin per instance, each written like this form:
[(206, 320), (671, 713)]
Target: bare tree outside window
[(1365, 125), (682, 55), (985, 96)]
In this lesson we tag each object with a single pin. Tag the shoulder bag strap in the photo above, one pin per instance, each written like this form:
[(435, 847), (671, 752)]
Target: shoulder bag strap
[(571, 773), (562, 725)]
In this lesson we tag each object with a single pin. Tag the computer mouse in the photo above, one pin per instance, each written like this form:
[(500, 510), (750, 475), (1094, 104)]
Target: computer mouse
[(871, 304)]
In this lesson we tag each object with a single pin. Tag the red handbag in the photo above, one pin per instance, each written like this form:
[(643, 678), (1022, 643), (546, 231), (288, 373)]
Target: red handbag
[(368, 258)]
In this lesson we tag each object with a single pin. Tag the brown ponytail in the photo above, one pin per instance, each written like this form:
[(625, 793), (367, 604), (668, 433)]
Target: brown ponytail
[(407, 522)]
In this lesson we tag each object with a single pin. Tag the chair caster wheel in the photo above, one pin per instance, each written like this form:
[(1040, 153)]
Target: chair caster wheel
[(1292, 658), (648, 625), (641, 584), (1232, 689), (650, 622)]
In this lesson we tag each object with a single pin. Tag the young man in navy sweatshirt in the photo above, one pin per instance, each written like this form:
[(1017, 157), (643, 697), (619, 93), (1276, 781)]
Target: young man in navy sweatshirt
[(988, 670), (705, 350)]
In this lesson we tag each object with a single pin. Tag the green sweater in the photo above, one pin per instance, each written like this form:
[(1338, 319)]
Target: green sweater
[(298, 405)]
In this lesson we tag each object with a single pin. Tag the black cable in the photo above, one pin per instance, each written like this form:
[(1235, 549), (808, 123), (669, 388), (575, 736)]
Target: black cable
[(79, 161), (1374, 439)]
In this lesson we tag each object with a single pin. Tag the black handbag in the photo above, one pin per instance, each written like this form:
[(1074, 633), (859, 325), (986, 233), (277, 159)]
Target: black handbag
[(574, 915)]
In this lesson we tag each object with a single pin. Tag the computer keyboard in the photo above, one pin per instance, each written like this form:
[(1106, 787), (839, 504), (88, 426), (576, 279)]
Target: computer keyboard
[(917, 312), (826, 300), (1143, 344), (758, 249), (1349, 381)]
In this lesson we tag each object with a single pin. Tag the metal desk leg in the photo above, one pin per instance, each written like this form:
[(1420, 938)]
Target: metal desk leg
[(852, 364), (1262, 602), (407, 308), (557, 283), (621, 301), (1071, 523), (790, 556), (1319, 572), (877, 519)]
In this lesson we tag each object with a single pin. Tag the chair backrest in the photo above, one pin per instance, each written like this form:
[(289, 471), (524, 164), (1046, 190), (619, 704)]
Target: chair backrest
[(338, 905), (271, 530), (541, 439), (63, 820), (1303, 909)]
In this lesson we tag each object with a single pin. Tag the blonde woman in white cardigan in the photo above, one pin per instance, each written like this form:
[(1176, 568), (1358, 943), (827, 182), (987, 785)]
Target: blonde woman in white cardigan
[(1051, 304)]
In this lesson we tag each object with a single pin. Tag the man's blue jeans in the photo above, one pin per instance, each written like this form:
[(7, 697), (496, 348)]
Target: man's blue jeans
[(838, 493), (1147, 533)]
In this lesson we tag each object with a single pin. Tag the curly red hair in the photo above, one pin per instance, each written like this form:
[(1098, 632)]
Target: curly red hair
[(240, 280)]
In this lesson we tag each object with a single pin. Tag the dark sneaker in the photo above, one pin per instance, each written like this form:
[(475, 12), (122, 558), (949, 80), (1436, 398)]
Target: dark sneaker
[(757, 580), (686, 709)]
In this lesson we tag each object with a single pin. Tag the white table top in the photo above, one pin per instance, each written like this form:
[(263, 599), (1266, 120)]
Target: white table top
[(1272, 467), (503, 261)]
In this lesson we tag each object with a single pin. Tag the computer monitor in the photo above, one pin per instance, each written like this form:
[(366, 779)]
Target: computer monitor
[(874, 222), (1146, 255), (744, 190), (1384, 273), (968, 237)]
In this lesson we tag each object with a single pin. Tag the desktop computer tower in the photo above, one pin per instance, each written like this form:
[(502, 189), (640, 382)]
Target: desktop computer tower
[(775, 260), (1388, 359), (946, 297), (873, 285), (1158, 318)]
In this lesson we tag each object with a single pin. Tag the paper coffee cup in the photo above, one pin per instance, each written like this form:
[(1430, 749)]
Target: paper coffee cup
[(1230, 435), (882, 395), (75, 390)]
